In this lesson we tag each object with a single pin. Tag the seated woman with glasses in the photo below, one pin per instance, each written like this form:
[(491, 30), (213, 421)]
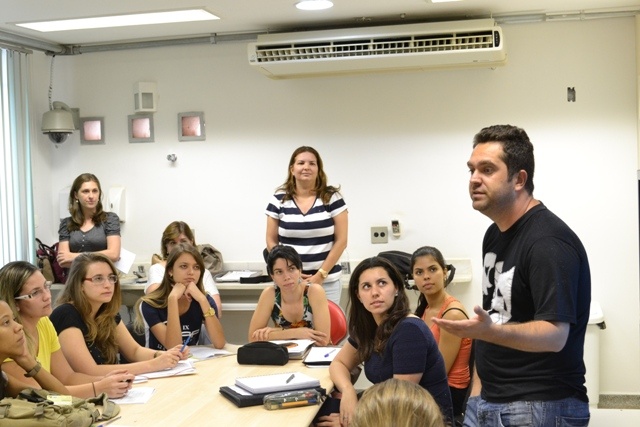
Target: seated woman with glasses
[(89, 327), (298, 309), (174, 313), (28, 294), (13, 344)]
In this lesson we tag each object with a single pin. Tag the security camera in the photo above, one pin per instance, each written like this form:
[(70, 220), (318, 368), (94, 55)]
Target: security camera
[(58, 122)]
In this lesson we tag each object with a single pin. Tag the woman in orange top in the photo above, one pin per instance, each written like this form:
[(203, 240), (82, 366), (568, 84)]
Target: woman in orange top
[(431, 276)]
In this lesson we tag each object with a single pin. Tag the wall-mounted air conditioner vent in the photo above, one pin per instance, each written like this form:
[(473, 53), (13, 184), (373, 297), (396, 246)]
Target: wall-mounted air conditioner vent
[(415, 46)]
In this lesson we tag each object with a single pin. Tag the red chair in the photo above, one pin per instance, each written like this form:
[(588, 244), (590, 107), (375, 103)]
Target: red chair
[(338, 323)]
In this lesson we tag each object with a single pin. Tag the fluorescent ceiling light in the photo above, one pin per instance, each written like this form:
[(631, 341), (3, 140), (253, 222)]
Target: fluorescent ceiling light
[(121, 20), (314, 4)]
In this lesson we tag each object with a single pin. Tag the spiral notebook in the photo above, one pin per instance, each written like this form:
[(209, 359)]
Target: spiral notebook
[(277, 382)]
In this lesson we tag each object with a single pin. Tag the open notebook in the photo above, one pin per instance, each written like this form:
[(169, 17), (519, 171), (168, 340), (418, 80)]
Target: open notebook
[(277, 382)]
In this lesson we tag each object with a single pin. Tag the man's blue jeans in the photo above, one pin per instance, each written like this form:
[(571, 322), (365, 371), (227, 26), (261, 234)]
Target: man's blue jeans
[(568, 412)]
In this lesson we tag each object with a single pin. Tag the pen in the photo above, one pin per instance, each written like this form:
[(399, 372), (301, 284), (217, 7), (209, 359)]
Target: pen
[(290, 378), (327, 355), (109, 422), (185, 343)]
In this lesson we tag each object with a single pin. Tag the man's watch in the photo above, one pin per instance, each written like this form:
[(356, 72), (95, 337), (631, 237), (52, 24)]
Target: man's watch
[(323, 273), (209, 313), (33, 372)]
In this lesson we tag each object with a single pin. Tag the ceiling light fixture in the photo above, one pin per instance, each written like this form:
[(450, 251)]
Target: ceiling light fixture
[(314, 4), (190, 15)]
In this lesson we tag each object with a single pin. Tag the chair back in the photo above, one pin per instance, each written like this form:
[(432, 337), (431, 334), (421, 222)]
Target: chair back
[(338, 323)]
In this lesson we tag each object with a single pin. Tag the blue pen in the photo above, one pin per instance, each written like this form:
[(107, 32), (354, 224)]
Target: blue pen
[(185, 343), (327, 355)]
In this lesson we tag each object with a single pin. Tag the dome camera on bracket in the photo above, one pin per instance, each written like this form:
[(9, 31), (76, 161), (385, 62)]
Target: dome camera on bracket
[(58, 122)]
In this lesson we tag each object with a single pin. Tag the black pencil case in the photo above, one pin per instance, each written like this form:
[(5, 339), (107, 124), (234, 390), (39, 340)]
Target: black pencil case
[(262, 353)]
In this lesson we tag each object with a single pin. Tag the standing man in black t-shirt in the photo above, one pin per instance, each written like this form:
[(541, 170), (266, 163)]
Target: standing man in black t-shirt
[(536, 286)]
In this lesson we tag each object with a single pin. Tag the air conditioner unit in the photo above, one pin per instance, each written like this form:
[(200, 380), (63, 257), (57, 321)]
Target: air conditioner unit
[(472, 43)]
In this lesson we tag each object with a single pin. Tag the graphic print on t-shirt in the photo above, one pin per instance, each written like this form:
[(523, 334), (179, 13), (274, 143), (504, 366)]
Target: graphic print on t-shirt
[(500, 293)]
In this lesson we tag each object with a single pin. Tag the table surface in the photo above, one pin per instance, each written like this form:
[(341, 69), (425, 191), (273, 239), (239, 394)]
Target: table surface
[(195, 400)]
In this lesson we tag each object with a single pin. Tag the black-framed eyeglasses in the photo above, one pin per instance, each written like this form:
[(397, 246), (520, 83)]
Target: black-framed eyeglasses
[(100, 279), (36, 292)]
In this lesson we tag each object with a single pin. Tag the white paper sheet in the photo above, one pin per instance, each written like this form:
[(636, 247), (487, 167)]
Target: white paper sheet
[(125, 262)]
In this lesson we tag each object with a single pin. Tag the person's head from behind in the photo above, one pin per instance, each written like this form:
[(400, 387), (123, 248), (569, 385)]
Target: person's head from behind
[(517, 150), (85, 192), (184, 265), (177, 232), (25, 290), (284, 265), (397, 403), (92, 283), (306, 164), (376, 291), (11, 333)]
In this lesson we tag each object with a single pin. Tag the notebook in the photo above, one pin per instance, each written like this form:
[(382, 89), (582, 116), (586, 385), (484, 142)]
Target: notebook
[(320, 356), (277, 382), (297, 348)]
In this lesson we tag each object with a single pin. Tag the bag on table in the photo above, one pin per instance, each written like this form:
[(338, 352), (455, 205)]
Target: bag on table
[(262, 353), (31, 408)]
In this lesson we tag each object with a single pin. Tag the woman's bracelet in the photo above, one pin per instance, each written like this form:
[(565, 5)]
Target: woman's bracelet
[(94, 389)]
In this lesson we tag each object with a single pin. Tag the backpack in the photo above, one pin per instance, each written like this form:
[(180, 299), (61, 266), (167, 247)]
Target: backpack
[(32, 408), (402, 261), (48, 263)]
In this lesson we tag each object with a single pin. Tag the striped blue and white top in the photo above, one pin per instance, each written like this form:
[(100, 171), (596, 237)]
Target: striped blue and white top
[(311, 234)]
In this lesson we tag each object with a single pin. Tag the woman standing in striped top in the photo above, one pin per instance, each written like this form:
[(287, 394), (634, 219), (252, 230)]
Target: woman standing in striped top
[(311, 216)]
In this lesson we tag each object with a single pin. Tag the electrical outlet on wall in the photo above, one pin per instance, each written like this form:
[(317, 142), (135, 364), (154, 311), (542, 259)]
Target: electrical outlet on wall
[(379, 235)]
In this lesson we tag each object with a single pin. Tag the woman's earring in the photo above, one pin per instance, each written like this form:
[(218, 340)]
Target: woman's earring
[(396, 294)]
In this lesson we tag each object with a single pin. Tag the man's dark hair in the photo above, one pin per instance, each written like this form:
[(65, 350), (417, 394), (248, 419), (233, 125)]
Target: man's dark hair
[(517, 149)]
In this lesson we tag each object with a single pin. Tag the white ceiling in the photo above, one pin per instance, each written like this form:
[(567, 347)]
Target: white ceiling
[(247, 16)]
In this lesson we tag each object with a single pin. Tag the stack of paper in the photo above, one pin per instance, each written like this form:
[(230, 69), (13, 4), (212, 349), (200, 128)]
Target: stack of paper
[(234, 276), (296, 348), (277, 382)]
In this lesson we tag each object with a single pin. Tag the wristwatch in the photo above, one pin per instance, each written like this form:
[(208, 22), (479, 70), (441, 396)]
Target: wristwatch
[(33, 372), (209, 313), (323, 273)]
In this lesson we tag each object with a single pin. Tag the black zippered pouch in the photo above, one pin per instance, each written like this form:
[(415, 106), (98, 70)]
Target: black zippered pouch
[(262, 353)]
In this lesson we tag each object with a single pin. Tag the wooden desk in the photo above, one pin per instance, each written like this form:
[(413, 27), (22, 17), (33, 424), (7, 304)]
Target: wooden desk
[(194, 400)]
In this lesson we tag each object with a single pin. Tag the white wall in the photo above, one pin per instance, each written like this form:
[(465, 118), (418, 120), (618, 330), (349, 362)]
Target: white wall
[(397, 143)]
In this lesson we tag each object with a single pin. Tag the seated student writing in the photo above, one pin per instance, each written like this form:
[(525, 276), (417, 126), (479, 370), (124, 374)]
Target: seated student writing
[(28, 294), (174, 313), (13, 344), (392, 342), (298, 309), (179, 232), (89, 327)]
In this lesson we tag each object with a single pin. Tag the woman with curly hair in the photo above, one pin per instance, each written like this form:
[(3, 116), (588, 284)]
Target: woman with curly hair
[(89, 327)]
